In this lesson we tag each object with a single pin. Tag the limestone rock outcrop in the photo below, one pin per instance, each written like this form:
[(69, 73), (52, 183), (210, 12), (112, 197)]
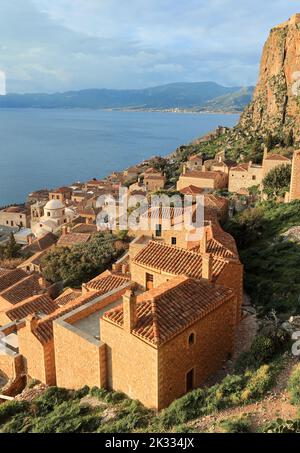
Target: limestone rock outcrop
[(276, 103)]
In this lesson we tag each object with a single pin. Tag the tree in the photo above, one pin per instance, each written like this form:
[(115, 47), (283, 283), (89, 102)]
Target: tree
[(11, 249), (277, 181), (269, 142), (289, 139), (80, 263)]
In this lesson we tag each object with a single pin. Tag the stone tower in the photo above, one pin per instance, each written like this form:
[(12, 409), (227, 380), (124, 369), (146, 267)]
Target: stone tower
[(295, 180)]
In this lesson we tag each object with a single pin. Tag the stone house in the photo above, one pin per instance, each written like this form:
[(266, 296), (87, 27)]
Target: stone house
[(15, 216), (153, 180), (195, 162), (246, 175), (63, 194), (207, 180)]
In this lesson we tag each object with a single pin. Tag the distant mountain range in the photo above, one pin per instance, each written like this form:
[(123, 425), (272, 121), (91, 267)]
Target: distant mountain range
[(198, 96)]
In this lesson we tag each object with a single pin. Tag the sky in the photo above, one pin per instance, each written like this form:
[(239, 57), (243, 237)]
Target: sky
[(60, 45)]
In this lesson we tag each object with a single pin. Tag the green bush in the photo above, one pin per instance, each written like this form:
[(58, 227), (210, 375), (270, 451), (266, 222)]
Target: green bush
[(68, 417), (236, 425), (107, 396), (280, 426), (10, 408), (131, 416), (294, 385), (258, 384), (53, 396), (186, 408)]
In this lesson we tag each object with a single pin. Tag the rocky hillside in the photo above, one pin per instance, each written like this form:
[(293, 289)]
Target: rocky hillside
[(276, 101)]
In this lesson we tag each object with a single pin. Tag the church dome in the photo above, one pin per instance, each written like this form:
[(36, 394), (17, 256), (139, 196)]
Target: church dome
[(54, 204)]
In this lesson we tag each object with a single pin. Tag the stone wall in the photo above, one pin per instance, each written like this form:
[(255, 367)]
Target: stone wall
[(213, 345), (132, 364)]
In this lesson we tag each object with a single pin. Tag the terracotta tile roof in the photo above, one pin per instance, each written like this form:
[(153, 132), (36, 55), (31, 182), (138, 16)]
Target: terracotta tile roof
[(37, 304), (44, 329), (11, 277), (73, 238), (154, 177), (4, 272), (175, 260), (195, 157), (164, 213), (151, 170), (36, 259), (277, 157), (241, 167), (22, 290), (202, 174), (40, 244), (67, 296), (225, 239), (218, 249), (192, 190), (85, 228), (107, 282), (169, 309)]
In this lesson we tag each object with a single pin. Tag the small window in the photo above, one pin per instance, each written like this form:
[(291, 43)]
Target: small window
[(48, 214), (173, 241), (254, 177), (158, 231), (149, 281), (12, 223), (190, 380), (191, 339)]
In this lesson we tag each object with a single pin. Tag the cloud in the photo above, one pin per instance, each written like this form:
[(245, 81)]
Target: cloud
[(50, 45)]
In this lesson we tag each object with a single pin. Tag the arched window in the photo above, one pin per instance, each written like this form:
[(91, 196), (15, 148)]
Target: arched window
[(191, 339)]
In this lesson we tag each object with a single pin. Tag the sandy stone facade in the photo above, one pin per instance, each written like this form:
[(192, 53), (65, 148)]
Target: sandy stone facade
[(295, 186)]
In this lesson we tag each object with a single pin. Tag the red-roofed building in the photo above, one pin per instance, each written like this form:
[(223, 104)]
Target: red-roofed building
[(160, 344)]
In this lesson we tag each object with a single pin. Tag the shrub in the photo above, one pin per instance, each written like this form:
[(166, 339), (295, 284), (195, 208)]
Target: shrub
[(10, 408), (186, 408), (109, 397), (81, 393), (131, 416), (68, 417), (280, 426), (259, 383), (236, 425), (294, 385), (53, 396)]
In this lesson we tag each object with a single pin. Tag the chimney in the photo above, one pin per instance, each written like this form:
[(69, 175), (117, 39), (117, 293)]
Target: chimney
[(64, 230), (42, 282), (203, 243), (265, 153), (207, 267), (129, 310), (184, 169), (32, 322), (30, 239)]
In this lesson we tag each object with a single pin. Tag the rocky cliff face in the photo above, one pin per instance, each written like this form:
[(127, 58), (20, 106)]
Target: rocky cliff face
[(276, 102)]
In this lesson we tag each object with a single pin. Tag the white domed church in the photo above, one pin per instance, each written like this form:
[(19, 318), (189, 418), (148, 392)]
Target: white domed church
[(55, 216)]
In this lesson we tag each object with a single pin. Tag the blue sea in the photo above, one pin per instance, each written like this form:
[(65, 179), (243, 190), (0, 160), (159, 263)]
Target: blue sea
[(49, 148)]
